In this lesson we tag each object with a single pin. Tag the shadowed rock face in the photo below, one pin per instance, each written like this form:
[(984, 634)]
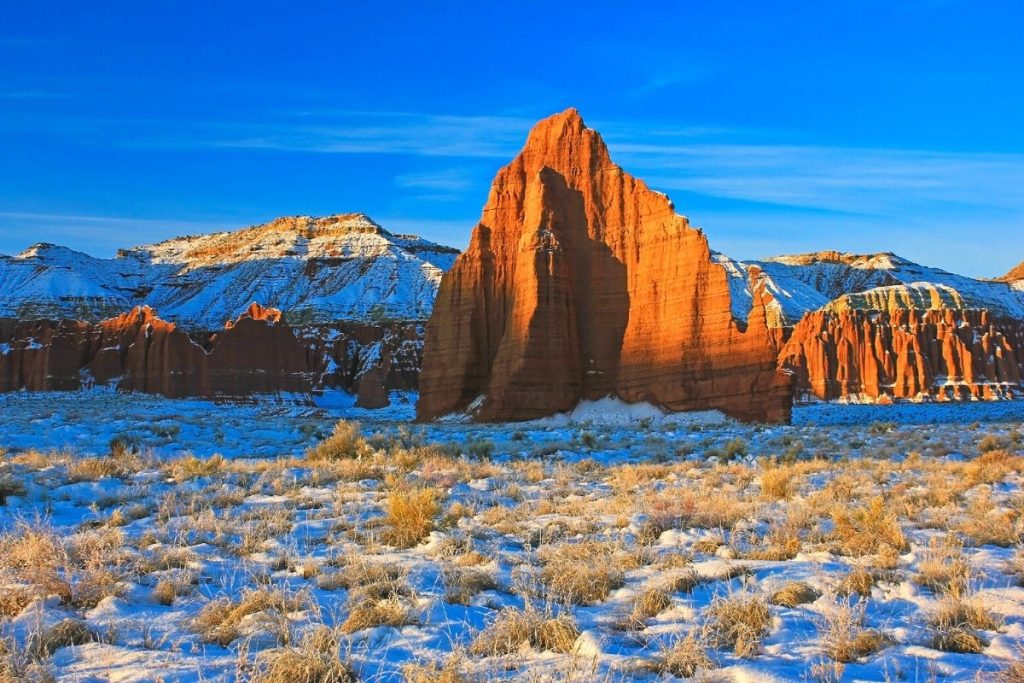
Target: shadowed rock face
[(581, 282), (942, 354), (254, 354)]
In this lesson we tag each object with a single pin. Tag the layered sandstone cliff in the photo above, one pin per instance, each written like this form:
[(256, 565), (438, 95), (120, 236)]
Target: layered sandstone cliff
[(943, 354), (254, 354), (580, 282)]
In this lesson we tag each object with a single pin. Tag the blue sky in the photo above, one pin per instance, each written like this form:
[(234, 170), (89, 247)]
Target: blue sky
[(778, 127)]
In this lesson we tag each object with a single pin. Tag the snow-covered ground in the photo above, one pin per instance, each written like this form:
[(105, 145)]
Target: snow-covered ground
[(581, 547)]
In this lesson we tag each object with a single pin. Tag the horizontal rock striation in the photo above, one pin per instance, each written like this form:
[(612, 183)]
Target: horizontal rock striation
[(905, 354), (254, 354), (580, 282)]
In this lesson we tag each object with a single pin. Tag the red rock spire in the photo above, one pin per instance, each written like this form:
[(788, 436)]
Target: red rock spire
[(581, 282)]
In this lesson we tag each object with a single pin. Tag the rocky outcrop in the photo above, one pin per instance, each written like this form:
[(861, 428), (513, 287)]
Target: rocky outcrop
[(1015, 275), (905, 353), (580, 282), (254, 354), (314, 270)]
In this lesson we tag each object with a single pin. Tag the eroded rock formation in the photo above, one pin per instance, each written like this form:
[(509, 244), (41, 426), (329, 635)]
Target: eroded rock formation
[(580, 282), (254, 354), (941, 354), (1015, 275)]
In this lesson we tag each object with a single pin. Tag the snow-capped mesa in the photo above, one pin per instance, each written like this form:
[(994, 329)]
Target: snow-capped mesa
[(1015, 278), (315, 270), (844, 281)]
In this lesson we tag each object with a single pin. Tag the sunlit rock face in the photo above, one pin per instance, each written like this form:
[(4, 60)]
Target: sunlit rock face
[(941, 354), (581, 282)]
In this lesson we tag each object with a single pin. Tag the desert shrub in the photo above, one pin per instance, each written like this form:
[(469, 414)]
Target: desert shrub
[(990, 467), (479, 448), (513, 627), (345, 441), (863, 530), (409, 515), (584, 573), (735, 448), (777, 482), (991, 442), (739, 621)]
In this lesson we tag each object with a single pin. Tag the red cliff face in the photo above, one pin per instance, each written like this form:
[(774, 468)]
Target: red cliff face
[(580, 282), (942, 354), (254, 354)]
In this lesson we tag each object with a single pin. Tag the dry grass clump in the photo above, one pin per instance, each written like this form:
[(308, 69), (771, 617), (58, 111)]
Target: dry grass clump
[(647, 604), (844, 636), (858, 581), (390, 611), (33, 553), (433, 672), (739, 621), (17, 665), (513, 627), (777, 483), (794, 593), (219, 620), (64, 633), (584, 573), (409, 515), (865, 529), (987, 523), (991, 466), (94, 469), (315, 660), (190, 467), (345, 441), (956, 623), (81, 570), (462, 583), (685, 657), (943, 567)]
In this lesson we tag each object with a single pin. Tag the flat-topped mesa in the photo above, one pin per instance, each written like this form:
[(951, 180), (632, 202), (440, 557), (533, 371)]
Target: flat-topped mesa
[(580, 282), (880, 260)]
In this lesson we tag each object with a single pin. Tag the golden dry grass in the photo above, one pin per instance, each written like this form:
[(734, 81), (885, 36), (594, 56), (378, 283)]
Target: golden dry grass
[(739, 621)]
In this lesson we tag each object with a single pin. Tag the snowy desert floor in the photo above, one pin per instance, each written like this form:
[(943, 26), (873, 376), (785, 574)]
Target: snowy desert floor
[(149, 539)]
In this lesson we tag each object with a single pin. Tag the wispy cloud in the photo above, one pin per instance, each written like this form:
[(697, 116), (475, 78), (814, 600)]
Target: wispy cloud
[(98, 235), (840, 179), (397, 133)]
